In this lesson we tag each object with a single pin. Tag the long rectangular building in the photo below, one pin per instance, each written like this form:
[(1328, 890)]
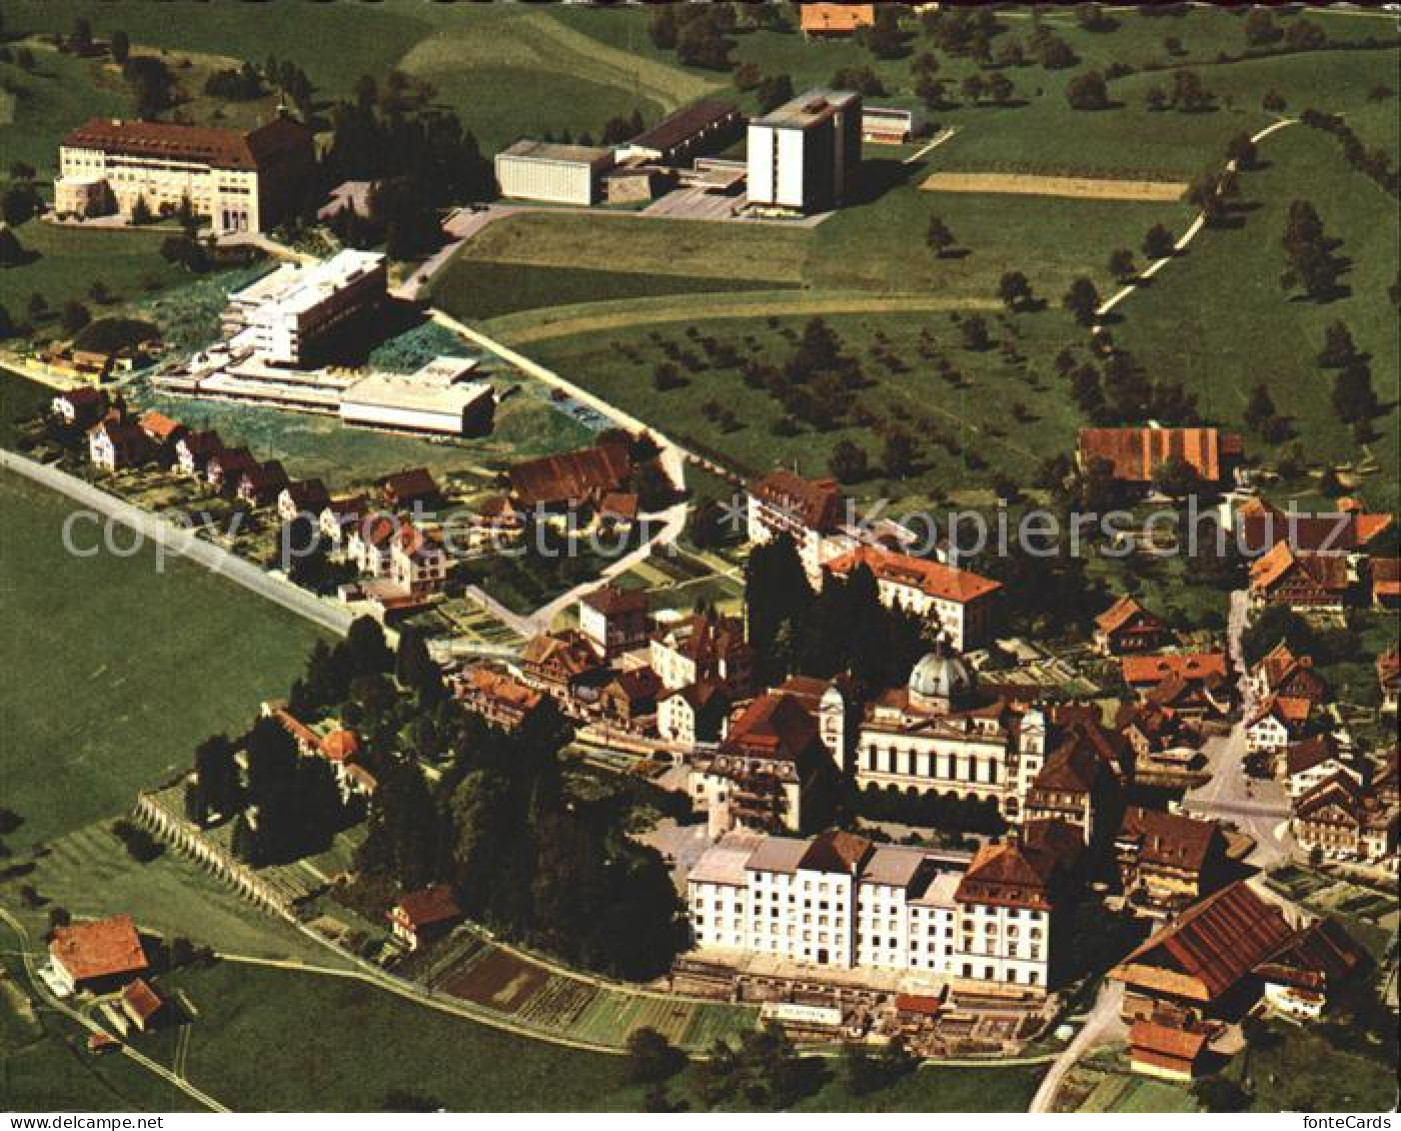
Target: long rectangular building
[(556, 174), (243, 181), (840, 901)]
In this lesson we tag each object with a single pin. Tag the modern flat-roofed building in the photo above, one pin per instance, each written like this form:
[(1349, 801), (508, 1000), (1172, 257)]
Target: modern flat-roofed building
[(705, 126), (803, 155), (558, 174), (285, 316), (243, 181), (890, 124), (436, 399)]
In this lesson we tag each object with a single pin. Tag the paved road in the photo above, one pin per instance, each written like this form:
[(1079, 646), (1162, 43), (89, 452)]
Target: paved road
[(168, 538), (58, 1005), (1102, 1026)]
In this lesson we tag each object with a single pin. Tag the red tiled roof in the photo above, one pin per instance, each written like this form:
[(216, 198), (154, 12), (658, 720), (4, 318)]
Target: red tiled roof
[(1209, 947), (159, 426), (1007, 875), (1136, 453), (1166, 1041), (1121, 612), (99, 949), (141, 1000), (341, 745), (1311, 752), (1195, 666), (572, 477), (773, 726), (428, 907), (1328, 571), (837, 17), (933, 578), (219, 148), (813, 503), (836, 851)]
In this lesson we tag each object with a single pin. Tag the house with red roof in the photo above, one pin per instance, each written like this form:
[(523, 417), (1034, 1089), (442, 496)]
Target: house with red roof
[(419, 917), (1166, 1051), (1126, 626), (1301, 579), (97, 955)]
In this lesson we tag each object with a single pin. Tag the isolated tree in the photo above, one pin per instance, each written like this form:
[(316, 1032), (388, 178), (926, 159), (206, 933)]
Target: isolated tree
[(1338, 347), (1242, 150), (1175, 477), (651, 1057), (1014, 289), (1260, 27), (1260, 408), (1155, 98), (898, 454), (12, 252), (1087, 91), (974, 330), (848, 462), (1273, 102), (972, 88), (938, 236), (1354, 399), (7, 323), (1158, 243), (121, 46), (1121, 264), (73, 316), (1082, 300), (1000, 89)]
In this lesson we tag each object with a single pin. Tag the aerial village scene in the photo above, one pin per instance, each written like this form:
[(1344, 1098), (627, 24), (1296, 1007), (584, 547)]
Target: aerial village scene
[(699, 557)]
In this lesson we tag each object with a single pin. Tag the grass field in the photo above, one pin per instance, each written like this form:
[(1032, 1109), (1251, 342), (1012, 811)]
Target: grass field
[(135, 667), (1179, 328)]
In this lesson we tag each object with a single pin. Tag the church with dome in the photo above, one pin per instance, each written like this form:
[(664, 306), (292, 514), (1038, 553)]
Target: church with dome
[(940, 734)]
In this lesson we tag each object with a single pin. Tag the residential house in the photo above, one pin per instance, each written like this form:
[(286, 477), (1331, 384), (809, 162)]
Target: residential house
[(419, 917), (832, 21), (194, 450), (1344, 821), (629, 699), (1166, 859), (1389, 679), (564, 665), (614, 620), (498, 698), (1157, 733), (696, 713), (1126, 626), (959, 605), (1276, 723), (1280, 672), (163, 433), (702, 647), (224, 469), (115, 445), (1202, 963), (418, 564), (262, 483), (1300, 976), (339, 517), (80, 408), (1300, 580), (1386, 582), (809, 511), (370, 543), (1166, 1051), (98, 955), (405, 490), (1311, 761), (303, 497), (572, 480), (1194, 686), (496, 520)]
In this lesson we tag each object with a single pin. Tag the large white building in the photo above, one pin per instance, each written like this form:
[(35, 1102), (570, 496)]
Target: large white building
[(841, 901), (284, 316), (437, 399), (243, 181), (557, 174), (803, 155)]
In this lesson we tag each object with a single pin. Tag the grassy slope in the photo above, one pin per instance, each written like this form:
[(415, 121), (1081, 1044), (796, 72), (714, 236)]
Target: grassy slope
[(50, 100), (1177, 325), (134, 668)]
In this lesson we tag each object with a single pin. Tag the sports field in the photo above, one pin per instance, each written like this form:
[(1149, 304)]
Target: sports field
[(125, 669)]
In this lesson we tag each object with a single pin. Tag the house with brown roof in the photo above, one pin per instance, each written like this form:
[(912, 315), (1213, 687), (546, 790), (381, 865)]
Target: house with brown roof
[(809, 511), (565, 666), (370, 543), (1300, 976), (418, 563), (629, 699), (419, 917), (1280, 672), (1202, 963), (115, 445), (261, 484), (572, 480), (1157, 733), (97, 955), (303, 497), (1277, 722), (242, 180), (614, 620), (1134, 455), (498, 698), (80, 408), (959, 605), (1193, 686), (1310, 760), (405, 490), (701, 648), (1168, 860), (1343, 820), (835, 21), (1012, 901), (1385, 575), (1301, 580), (1166, 1051), (163, 433), (194, 450), (141, 1005), (339, 517), (695, 713), (1076, 786), (224, 469), (1126, 626)]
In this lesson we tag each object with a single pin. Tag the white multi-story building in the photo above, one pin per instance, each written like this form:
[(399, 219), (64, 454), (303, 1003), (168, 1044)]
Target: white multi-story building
[(241, 181), (809, 511), (559, 174), (284, 316), (803, 155), (841, 901)]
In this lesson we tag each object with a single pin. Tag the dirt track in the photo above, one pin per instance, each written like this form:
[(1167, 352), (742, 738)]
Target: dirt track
[(1077, 188)]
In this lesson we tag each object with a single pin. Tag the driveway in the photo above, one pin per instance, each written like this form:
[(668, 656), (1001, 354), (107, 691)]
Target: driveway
[(1102, 1026)]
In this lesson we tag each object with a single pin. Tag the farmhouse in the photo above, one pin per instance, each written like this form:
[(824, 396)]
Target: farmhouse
[(959, 605), (571, 480), (421, 916), (141, 1005), (1126, 626), (97, 955), (1299, 579), (1135, 454), (557, 174), (803, 155), (703, 127), (835, 20), (241, 181), (1260, 526)]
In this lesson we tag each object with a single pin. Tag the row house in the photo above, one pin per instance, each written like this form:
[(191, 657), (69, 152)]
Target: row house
[(959, 605), (1126, 626), (839, 901)]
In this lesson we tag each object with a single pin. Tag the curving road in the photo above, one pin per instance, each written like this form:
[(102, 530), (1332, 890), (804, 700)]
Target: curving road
[(1102, 1026)]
